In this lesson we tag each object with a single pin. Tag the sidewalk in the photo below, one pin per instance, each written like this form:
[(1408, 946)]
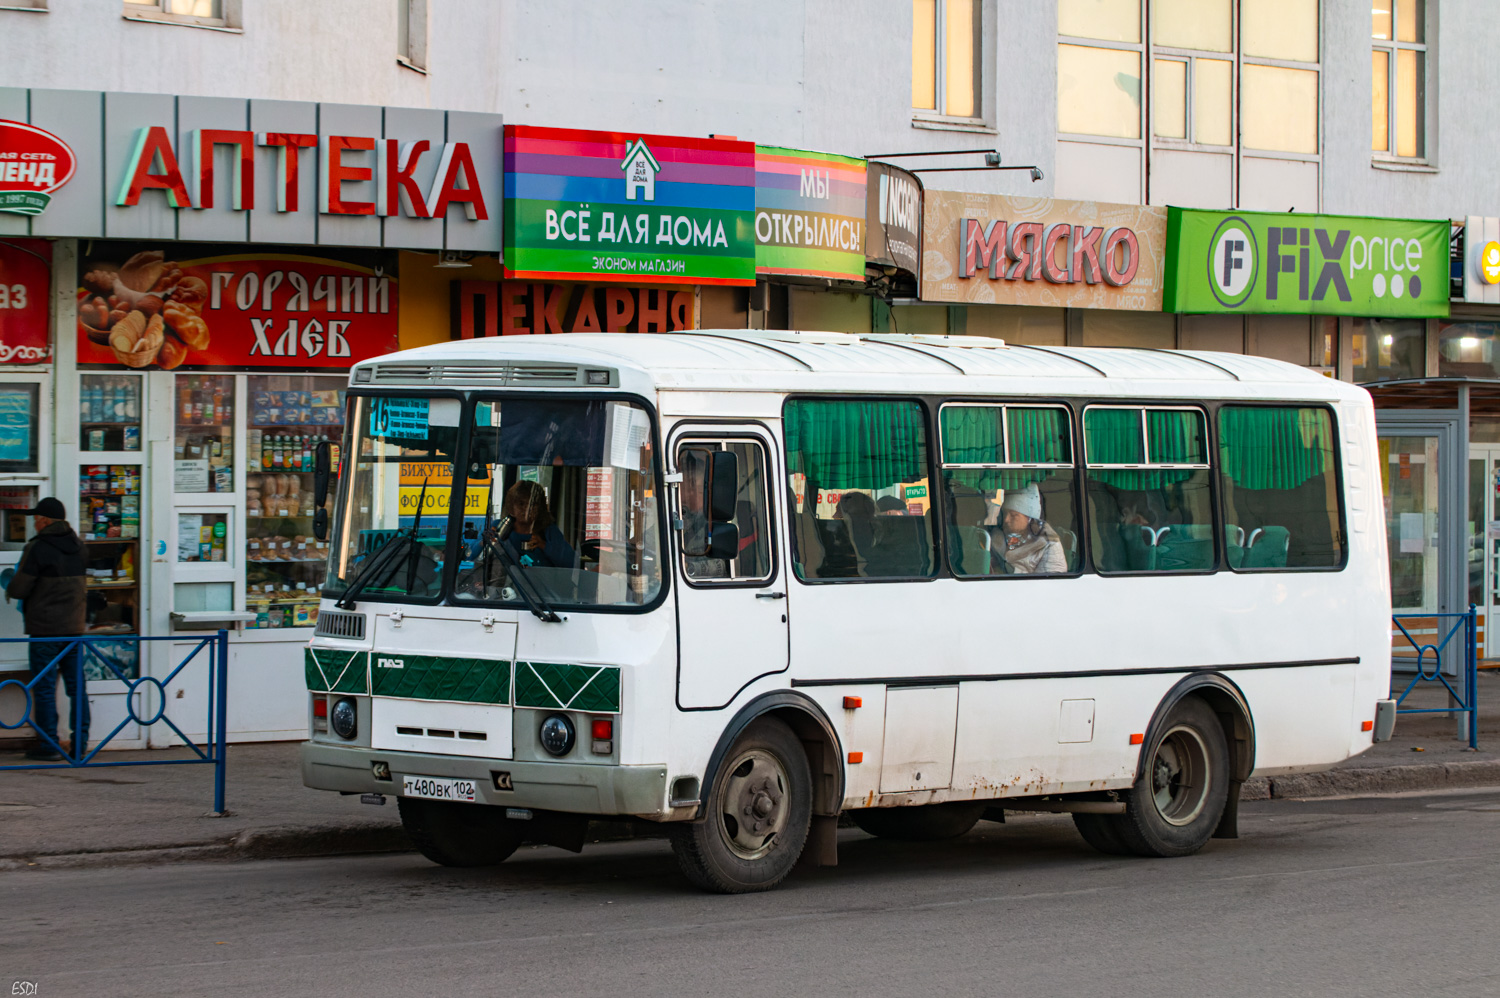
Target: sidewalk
[(67, 817)]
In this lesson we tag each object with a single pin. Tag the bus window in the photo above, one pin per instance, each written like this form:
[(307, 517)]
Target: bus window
[(1148, 489), (850, 461), (1277, 483), (1008, 487), (751, 518)]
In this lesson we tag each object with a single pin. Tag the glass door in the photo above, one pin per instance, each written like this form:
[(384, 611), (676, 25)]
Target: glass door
[(1484, 541), (1410, 477)]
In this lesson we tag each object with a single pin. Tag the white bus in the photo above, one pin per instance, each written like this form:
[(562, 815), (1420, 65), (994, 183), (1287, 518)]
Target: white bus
[(744, 582)]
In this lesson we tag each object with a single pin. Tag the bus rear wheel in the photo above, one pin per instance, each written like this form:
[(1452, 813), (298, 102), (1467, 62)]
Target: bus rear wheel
[(757, 815), (924, 823), (1175, 805), (457, 834)]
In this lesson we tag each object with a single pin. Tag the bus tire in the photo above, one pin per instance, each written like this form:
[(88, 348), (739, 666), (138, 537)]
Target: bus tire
[(923, 823), (456, 834), (756, 816), (1175, 805), (1101, 832)]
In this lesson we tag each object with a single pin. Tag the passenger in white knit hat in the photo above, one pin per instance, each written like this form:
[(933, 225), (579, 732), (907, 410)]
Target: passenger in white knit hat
[(1031, 546)]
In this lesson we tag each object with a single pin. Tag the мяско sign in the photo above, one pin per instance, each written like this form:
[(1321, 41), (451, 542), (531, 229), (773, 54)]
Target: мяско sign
[(1305, 264), (34, 163)]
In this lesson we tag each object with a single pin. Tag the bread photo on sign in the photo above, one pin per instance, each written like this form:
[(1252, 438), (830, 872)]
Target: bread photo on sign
[(147, 311)]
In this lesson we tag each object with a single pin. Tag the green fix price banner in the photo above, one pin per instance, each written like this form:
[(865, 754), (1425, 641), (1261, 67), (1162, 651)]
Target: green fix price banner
[(615, 206), (1267, 263)]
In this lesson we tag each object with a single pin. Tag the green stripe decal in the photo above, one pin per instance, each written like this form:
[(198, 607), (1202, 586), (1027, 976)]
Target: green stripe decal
[(591, 688), (331, 671), (434, 677)]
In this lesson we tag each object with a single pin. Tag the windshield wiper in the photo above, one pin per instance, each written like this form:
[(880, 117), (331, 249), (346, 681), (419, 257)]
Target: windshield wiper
[(416, 549), (385, 555), (536, 603)]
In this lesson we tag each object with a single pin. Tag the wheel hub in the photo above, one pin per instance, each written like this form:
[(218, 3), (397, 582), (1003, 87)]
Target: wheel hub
[(1179, 776), (753, 795)]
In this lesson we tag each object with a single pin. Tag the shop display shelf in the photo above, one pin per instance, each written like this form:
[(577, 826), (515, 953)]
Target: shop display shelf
[(127, 584)]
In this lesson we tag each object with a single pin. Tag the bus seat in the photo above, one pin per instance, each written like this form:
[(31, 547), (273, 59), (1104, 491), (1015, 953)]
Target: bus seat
[(902, 545), (973, 550), (1179, 554), (1140, 548), (1234, 545), (1070, 545), (1268, 547)]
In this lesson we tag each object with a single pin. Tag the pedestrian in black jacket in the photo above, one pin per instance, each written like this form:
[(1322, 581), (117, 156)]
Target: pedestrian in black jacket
[(50, 581)]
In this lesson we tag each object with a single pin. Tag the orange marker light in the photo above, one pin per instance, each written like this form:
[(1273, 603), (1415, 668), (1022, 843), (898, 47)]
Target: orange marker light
[(853, 703), (856, 757), (1367, 726), (1137, 739)]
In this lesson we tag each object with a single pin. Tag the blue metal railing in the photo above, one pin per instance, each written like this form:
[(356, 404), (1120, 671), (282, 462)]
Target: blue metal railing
[(215, 651), (1465, 626)]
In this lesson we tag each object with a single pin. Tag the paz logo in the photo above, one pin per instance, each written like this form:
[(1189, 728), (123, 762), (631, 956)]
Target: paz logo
[(1489, 263), (640, 171), (33, 164), (1233, 261)]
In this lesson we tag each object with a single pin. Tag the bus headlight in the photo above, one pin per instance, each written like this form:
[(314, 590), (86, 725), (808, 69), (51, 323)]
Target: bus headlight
[(557, 734), (344, 718)]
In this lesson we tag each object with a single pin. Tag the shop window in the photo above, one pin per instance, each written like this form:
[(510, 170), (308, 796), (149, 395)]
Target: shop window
[(947, 58), (1467, 349), (1279, 485), (1148, 489), (109, 523), (1388, 349), (20, 427), (287, 418), (851, 463), (204, 447), (751, 514), (1008, 490), (1398, 78), (109, 412), (202, 537)]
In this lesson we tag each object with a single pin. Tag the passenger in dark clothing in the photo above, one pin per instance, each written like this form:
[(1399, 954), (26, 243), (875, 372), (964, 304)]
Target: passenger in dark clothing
[(534, 539), (50, 581)]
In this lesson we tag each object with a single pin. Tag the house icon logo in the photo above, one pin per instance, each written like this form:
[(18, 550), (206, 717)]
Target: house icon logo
[(640, 171)]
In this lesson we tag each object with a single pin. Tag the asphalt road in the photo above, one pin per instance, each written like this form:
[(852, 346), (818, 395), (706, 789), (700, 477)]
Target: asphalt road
[(1390, 896)]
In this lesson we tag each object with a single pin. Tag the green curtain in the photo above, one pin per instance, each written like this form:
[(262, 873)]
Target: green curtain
[(1176, 436), (1274, 448), (1038, 436), (971, 435), (1114, 437), (855, 444)]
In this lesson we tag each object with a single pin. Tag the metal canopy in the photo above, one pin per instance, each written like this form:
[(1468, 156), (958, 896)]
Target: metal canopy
[(1438, 393)]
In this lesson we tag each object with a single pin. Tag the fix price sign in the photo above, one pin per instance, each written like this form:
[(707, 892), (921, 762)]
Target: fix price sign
[(1261, 262)]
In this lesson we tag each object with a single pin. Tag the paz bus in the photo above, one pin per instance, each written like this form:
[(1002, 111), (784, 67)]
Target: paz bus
[(743, 583)]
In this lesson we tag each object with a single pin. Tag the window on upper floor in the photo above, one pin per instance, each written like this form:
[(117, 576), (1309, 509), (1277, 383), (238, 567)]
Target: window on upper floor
[(946, 58), (1398, 78), (1200, 59), (195, 13), (411, 34)]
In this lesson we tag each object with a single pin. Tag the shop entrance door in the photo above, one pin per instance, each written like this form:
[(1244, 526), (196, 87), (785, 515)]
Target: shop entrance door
[(1484, 541), (1427, 512)]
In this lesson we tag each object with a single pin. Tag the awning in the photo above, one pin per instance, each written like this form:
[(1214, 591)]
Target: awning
[(1437, 393)]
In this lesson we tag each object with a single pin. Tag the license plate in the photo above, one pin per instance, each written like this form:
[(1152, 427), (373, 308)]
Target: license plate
[(437, 789)]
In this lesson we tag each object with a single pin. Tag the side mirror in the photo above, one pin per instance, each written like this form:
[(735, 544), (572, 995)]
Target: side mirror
[(320, 474), (722, 486), (723, 541), (320, 523)]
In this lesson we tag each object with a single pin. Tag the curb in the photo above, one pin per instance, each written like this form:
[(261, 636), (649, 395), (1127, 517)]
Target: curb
[(1374, 780), (353, 840)]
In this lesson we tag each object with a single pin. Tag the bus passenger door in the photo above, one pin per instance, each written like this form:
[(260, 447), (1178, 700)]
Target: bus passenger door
[(731, 611)]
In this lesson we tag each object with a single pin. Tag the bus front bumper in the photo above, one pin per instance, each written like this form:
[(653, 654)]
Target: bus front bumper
[(548, 786)]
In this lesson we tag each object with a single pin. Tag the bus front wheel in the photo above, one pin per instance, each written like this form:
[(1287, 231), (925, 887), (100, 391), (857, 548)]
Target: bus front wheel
[(757, 815), (458, 834), (1175, 805)]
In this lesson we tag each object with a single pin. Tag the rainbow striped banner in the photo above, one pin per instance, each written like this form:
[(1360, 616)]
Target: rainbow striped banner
[(621, 206), (809, 214)]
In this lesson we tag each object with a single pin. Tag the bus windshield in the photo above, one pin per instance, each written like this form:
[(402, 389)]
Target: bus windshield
[(557, 498)]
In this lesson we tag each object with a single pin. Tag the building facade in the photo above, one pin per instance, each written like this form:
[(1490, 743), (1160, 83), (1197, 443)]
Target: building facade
[(191, 257)]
